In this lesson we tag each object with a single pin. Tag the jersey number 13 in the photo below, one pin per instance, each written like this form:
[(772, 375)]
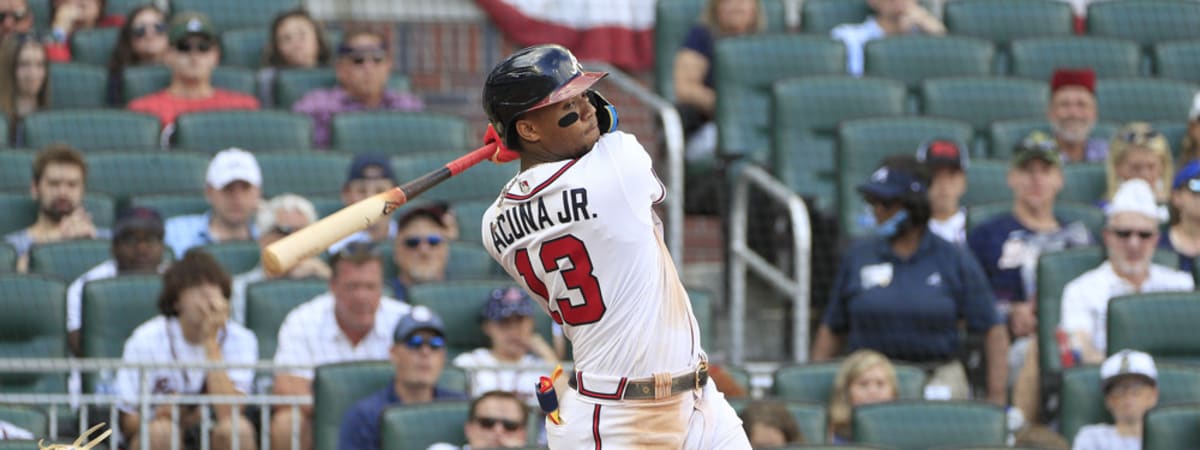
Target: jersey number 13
[(577, 276)]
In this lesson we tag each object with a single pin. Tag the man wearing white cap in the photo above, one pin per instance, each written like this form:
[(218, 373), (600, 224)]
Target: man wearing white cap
[(1130, 238), (232, 188), (1130, 389)]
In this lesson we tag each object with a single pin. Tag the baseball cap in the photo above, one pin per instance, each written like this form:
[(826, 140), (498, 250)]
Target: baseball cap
[(943, 153), (1135, 196), (1125, 364), (890, 183), (1188, 175), (231, 165), (138, 218), (1037, 145), (433, 211), (420, 318), (1085, 78), (507, 302), (370, 166), (188, 23)]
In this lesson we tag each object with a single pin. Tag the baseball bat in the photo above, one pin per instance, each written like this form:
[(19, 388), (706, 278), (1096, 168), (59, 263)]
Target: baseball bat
[(280, 256)]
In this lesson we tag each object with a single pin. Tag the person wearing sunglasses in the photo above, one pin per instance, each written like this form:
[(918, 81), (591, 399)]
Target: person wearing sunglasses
[(276, 219), (1139, 151), (141, 41), (1183, 236), (192, 55), (421, 249), (497, 419), (1130, 238), (363, 67), (368, 174), (15, 17), (418, 353)]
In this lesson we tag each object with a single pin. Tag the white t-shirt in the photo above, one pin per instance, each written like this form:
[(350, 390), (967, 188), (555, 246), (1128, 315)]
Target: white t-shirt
[(1085, 299), (855, 37), (953, 230), (237, 293), (310, 335), (1104, 437), (9, 431), (581, 234), (521, 382), (160, 339)]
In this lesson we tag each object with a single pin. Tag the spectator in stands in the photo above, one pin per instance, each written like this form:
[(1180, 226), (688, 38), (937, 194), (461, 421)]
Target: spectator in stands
[(421, 248), (24, 81), (193, 326), (364, 63), (497, 419), (1130, 390), (947, 162), (353, 321), (192, 56), (865, 377), (769, 424), (1130, 237), (507, 320), (369, 174), (15, 17), (1140, 151), (693, 71), (903, 291), (891, 18), (418, 353), (142, 41), (1183, 236), (278, 218), (232, 188), (1189, 147), (1072, 113), (137, 247), (70, 16), (59, 181), (297, 41)]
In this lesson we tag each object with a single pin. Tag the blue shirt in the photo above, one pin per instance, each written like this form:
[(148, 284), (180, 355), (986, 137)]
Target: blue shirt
[(184, 232), (360, 426), (1186, 263), (1008, 251), (700, 40), (908, 309)]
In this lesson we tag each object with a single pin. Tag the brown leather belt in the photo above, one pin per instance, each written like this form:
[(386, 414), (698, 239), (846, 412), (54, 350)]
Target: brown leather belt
[(644, 390)]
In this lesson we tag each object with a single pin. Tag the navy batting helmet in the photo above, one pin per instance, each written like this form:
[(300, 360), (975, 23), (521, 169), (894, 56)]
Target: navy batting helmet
[(529, 79)]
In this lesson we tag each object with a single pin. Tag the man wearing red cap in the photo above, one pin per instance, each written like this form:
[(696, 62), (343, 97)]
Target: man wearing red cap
[(1072, 114)]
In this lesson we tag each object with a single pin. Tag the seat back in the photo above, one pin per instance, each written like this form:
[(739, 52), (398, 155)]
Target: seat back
[(1002, 22), (268, 304), (1054, 271), (813, 382), (469, 215), (987, 183), (416, 427), (235, 256), (139, 81), (213, 131), (822, 16), (244, 47), (1145, 22), (124, 174), (1083, 183), (32, 327), (8, 258), (112, 309), (1178, 60), (304, 172), (96, 129), (912, 59), (983, 100), (337, 387), (905, 424), (1158, 323), (810, 417), (1144, 99), (1038, 58), (16, 171), (78, 85), (20, 211), (28, 418), (230, 14), (1172, 427), (1083, 394), (392, 132), (67, 260), (94, 45)]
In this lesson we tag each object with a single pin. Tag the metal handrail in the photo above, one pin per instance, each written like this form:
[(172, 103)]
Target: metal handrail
[(797, 286), (673, 138)]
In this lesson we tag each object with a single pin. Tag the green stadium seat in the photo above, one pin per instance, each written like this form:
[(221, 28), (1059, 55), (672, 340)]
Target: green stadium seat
[(112, 309), (41, 15), (67, 260), (1054, 271), (905, 424), (744, 70), (8, 258), (93, 45), (1144, 99), (1083, 396), (1003, 22), (1038, 58), (1083, 183), (1003, 135), (1091, 216), (1174, 131), (16, 170), (821, 16), (813, 382), (1172, 427), (469, 215), (811, 418), (981, 101), (19, 211), (231, 14), (19, 444), (1157, 323), (144, 80), (235, 256), (470, 261), (485, 181), (26, 417), (78, 85), (303, 172), (92, 129), (390, 132), (987, 183), (326, 204), (268, 304), (738, 374), (863, 143), (292, 84), (1145, 22), (244, 47), (416, 427), (124, 174), (460, 304), (806, 113), (32, 327), (702, 307), (1179, 60), (912, 59), (171, 205), (213, 131), (123, 7)]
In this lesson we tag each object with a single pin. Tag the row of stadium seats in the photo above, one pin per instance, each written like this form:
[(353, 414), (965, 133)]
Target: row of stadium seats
[(241, 47), (225, 14)]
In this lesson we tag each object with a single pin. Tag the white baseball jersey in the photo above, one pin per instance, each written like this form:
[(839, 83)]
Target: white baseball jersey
[(580, 235)]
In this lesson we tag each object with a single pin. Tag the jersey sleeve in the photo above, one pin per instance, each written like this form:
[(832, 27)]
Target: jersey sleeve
[(638, 179)]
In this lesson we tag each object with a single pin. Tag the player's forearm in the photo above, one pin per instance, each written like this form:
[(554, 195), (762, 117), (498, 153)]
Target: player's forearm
[(997, 364), (825, 345)]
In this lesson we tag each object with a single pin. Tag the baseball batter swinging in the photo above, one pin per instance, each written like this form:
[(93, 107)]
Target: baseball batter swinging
[(576, 228)]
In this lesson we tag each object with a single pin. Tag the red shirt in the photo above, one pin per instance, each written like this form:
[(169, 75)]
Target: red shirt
[(167, 107)]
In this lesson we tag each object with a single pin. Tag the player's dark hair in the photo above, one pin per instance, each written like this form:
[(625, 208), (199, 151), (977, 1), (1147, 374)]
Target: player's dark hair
[(357, 254), (499, 395), (196, 268), (916, 203)]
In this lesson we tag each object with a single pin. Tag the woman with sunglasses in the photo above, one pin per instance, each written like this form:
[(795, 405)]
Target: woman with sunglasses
[(70, 16), (142, 41), (1139, 151), (24, 81)]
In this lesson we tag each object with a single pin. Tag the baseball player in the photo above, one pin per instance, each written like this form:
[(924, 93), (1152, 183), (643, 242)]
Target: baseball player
[(576, 229)]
